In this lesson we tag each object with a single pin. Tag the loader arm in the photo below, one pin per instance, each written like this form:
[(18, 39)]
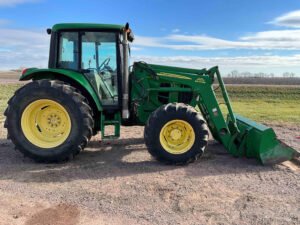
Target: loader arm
[(240, 136), (226, 132)]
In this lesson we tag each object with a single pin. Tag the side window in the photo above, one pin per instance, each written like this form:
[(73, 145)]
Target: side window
[(68, 54)]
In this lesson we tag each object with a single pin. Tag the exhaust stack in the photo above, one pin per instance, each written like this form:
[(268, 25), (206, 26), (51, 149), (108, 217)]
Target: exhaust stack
[(125, 99)]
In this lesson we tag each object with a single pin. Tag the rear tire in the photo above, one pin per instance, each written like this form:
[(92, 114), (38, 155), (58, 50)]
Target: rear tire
[(49, 121), (176, 134)]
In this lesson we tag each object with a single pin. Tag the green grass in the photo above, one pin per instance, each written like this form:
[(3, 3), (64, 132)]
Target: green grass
[(262, 104), (6, 91), (265, 104)]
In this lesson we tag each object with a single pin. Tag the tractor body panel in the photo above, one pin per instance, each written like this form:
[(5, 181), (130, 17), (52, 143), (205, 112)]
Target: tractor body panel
[(86, 26), (155, 85)]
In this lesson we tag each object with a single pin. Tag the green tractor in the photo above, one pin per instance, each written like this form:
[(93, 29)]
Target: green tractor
[(89, 86)]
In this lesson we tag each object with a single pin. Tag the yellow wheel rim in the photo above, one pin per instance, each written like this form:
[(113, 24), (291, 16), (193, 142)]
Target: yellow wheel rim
[(46, 123), (177, 136)]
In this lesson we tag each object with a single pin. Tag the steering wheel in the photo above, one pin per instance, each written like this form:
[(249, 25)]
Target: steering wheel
[(90, 68), (104, 63)]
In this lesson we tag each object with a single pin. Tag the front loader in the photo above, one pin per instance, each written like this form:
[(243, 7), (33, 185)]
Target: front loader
[(89, 85)]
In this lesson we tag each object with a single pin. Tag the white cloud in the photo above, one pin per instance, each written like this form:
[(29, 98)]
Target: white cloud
[(147, 41), (23, 48), (275, 39), (274, 64), (274, 35), (4, 22), (135, 48), (30, 49), (4, 3), (266, 40), (176, 30), (291, 19), (200, 42), (288, 39)]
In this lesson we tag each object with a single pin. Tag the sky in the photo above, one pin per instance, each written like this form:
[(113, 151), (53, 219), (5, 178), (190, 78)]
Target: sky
[(249, 35)]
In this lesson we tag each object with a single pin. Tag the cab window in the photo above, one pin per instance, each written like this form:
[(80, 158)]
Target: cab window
[(68, 54)]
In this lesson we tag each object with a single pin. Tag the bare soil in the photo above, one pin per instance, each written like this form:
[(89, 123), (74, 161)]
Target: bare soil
[(118, 182), (8, 77)]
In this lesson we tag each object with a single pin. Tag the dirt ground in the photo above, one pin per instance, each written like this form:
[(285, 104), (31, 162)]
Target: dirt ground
[(9, 77), (118, 182)]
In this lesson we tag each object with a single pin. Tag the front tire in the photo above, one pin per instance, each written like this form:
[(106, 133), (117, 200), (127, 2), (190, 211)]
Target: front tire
[(176, 134), (49, 121)]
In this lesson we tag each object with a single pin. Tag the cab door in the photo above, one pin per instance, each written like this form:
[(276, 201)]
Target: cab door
[(99, 61)]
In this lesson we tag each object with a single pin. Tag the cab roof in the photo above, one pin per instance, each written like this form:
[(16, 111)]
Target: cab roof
[(86, 26)]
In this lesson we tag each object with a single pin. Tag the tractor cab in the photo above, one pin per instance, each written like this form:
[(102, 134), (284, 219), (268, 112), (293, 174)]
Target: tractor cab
[(95, 50)]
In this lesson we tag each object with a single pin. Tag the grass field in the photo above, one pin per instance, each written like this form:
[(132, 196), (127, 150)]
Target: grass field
[(265, 104), (6, 91), (262, 104)]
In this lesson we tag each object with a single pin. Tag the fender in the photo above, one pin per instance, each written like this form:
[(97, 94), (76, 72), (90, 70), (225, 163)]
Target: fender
[(62, 74)]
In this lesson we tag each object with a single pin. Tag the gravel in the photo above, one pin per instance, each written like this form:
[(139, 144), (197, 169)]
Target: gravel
[(117, 182)]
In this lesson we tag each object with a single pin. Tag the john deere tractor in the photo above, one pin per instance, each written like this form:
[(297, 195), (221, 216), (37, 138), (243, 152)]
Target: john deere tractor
[(89, 85)]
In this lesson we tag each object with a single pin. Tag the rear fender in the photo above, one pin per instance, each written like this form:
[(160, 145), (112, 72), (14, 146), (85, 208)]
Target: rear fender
[(72, 77)]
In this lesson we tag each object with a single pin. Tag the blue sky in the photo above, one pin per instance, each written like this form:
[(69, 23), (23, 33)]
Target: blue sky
[(255, 36)]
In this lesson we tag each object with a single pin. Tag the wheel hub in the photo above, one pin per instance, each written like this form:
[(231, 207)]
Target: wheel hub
[(177, 136), (46, 123), (54, 120)]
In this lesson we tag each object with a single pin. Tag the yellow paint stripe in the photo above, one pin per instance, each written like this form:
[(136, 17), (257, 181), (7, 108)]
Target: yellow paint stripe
[(174, 76)]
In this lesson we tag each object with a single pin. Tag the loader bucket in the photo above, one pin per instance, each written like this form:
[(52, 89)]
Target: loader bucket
[(259, 141)]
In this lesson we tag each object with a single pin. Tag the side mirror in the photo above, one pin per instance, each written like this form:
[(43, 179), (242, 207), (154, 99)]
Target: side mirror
[(49, 31), (127, 26), (130, 35)]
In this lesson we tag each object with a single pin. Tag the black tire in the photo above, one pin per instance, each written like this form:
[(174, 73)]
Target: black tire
[(75, 104), (169, 112)]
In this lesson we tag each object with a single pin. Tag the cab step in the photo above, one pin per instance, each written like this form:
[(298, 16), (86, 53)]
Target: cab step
[(116, 122)]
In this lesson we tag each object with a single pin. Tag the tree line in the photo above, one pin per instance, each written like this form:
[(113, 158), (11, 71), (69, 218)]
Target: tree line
[(236, 74)]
